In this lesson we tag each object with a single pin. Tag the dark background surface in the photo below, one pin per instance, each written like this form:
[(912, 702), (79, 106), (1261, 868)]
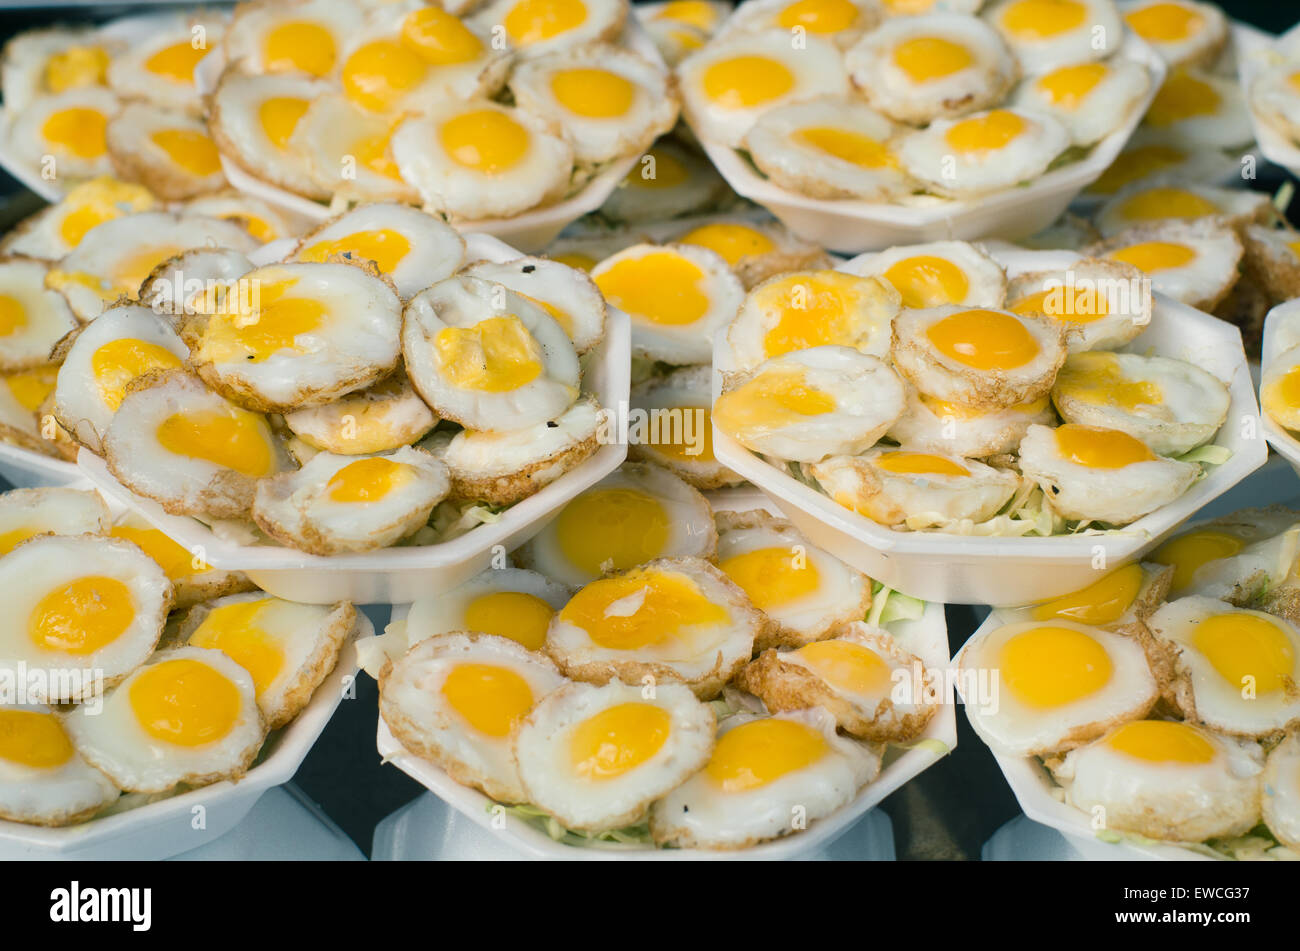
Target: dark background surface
[(945, 813)]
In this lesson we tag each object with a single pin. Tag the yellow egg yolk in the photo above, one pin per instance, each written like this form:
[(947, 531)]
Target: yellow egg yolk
[(1095, 447), (661, 287), (1183, 96), (664, 170), (232, 438), (1189, 552), (239, 631), (491, 699), (848, 667), (696, 13), (33, 739), (1043, 19), (299, 46), (1165, 22), (484, 140), (1088, 304), (819, 16), (75, 67), (386, 247), (31, 388), (176, 561), (279, 116), (520, 616), (732, 242), (1049, 667), (576, 259), (1151, 257), (1135, 164), (1157, 203), (256, 335), (847, 145), (372, 152), (615, 528), (120, 362), (1282, 393), (919, 463), (368, 480), (176, 62), (378, 74), (987, 133), (1161, 741), (495, 355), (762, 751), (1247, 649), (644, 608), (191, 150), (928, 281), (440, 38), (13, 315), (82, 616), (94, 202), (532, 21), (771, 400), (1067, 87), (983, 340), (617, 740), (593, 93), (1102, 602), (927, 58), (822, 308), (773, 577), (747, 81), (77, 130), (1095, 377), (185, 702), (671, 441)]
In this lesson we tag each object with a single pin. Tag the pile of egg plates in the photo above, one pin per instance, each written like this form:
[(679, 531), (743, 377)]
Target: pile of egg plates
[(649, 671), (1163, 698), (193, 666)]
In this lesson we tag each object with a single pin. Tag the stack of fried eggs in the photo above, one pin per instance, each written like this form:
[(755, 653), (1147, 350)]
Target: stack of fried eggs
[(1279, 392), (196, 666), (1163, 699), (923, 389), (375, 387), (844, 99), (651, 671)]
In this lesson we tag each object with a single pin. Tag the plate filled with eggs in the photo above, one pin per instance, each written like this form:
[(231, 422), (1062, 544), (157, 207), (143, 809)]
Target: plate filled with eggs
[(860, 132), (1154, 713), (376, 408), (150, 698), (962, 426), (743, 694)]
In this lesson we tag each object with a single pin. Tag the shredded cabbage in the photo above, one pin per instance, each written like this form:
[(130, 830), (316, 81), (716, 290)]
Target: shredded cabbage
[(632, 835)]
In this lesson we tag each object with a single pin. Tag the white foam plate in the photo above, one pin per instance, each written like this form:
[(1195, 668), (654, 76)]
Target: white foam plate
[(1256, 51), (972, 570), (25, 469), (855, 226)]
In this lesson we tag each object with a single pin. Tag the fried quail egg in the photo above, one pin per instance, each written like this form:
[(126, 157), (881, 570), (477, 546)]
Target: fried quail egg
[(115, 258), (384, 417), (983, 152), (26, 513), (457, 699), (288, 649), (304, 335), (193, 580), (755, 249), (667, 181), (811, 404), (1214, 542), (292, 36), (595, 758), (43, 780), (1116, 601), (703, 15), (79, 604), (63, 135), (941, 272), (918, 69), (1090, 99), (1059, 684), (487, 358), (1200, 110), (841, 21), (158, 64), (860, 675), (104, 360), (1191, 261), (348, 151), (512, 603), (194, 452), (730, 83), (932, 425), (678, 427), (478, 159), (1169, 404), (535, 27), (255, 216), (803, 592), (806, 309), (674, 40), (1181, 31), (918, 489), (1147, 158), (505, 467), (53, 232), (1272, 260), (982, 358), (188, 716), (1139, 205), (1101, 475), (829, 147), (1046, 34), (32, 319), (410, 248), (564, 292), (1247, 570), (1279, 393), (677, 296), (192, 282), (1280, 802), (634, 515), (337, 504), (767, 777), (23, 397), (610, 101), (253, 120), (54, 60), (169, 151), (1275, 98), (1102, 304), (1236, 670), (1166, 780)]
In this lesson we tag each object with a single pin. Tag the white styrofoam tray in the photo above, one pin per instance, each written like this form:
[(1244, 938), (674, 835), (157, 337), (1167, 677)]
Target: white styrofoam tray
[(1286, 445), (854, 226), (948, 568), (26, 468), (171, 826), (926, 637), (403, 573), (1256, 51)]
